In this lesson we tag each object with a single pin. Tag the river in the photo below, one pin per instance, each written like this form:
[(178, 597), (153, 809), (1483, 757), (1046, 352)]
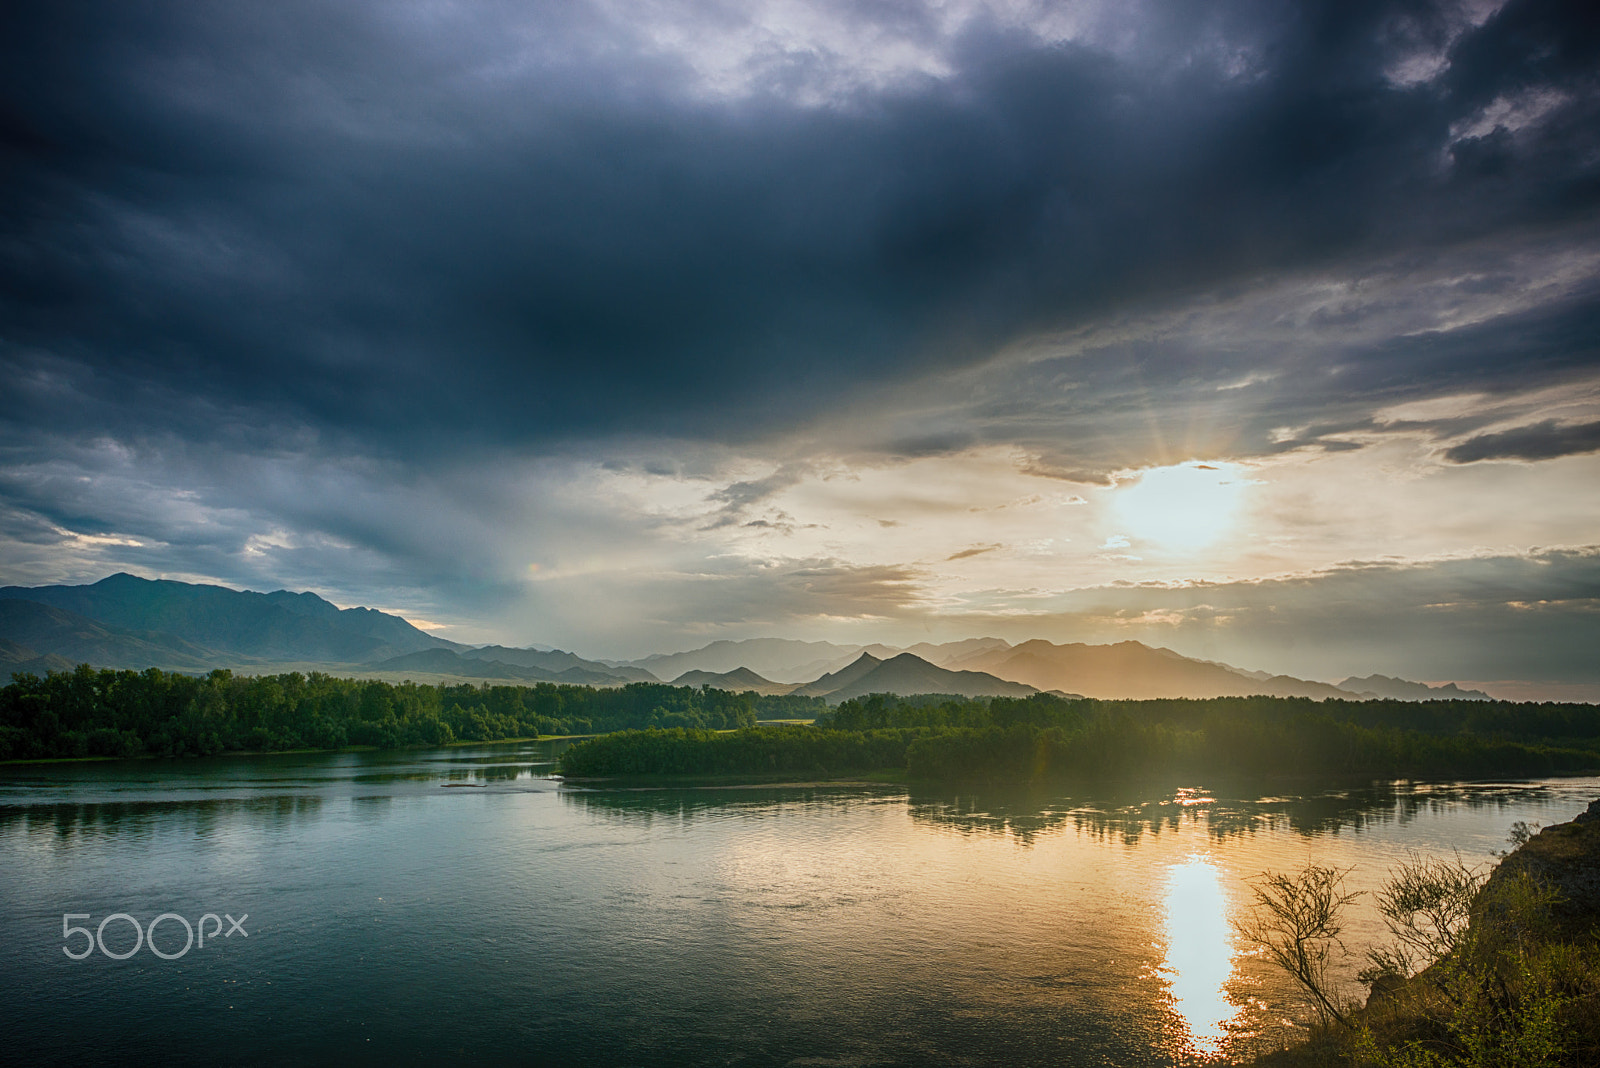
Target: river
[(461, 903)]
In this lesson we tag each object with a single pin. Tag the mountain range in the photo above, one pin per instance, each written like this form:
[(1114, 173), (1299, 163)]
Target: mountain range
[(782, 660), (777, 659), (1133, 671), (1401, 690), (908, 673), (128, 622), (738, 681), (192, 625)]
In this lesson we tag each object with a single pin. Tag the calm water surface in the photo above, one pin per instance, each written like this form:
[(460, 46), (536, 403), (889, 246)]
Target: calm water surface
[(393, 918)]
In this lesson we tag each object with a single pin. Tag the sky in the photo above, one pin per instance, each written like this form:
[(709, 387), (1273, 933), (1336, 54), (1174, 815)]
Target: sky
[(1266, 332)]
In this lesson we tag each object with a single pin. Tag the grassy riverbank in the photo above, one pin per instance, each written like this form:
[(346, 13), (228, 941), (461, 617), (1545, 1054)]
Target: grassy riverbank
[(1517, 985)]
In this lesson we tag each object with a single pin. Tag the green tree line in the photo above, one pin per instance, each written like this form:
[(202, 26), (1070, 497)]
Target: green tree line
[(88, 712), (1045, 736), (784, 750)]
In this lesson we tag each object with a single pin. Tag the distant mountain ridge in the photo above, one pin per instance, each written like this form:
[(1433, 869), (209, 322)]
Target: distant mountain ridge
[(1403, 690), (127, 622), (1132, 671), (557, 662), (279, 626), (499, 662), (907, 674), (777, 659), (736, 681), (799, 662), (848, 675)]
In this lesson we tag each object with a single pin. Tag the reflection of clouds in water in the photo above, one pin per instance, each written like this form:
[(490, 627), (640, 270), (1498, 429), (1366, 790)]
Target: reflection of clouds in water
[(1199, 954)]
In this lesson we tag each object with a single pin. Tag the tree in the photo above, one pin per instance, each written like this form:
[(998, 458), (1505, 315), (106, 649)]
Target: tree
[(1296, 920), (1426, 904)]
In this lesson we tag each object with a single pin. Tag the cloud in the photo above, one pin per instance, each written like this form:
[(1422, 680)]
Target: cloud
[(398, 301), (727, 596), (977, 550), (737, 498), (1540, 441), (930, 445), (507, 226), (1139, 389)]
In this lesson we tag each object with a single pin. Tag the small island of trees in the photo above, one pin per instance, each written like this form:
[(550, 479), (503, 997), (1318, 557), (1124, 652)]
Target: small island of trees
[(1047, 737)]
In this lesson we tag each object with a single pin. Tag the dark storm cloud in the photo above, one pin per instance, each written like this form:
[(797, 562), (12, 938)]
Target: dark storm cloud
[(1162, 398), (357, 530), (412, 230), (938, 444), (1541, 441)]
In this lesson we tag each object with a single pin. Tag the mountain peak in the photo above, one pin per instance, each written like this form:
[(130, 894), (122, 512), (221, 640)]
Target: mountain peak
[(185, 624), (121, 578), (909, 673)]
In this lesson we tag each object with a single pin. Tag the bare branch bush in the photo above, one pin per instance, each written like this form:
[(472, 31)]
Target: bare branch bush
[(1426, 904), (1296, 920)]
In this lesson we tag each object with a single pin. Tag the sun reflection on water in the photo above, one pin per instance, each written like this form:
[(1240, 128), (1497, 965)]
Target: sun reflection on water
[(1199, 954)]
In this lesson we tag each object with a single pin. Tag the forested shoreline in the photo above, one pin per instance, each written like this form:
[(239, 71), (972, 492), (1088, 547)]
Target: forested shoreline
[(655, 729), (1046, 737), (106, 713)]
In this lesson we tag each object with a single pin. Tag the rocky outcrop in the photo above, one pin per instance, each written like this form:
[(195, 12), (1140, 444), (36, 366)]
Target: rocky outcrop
[(1566, 857)]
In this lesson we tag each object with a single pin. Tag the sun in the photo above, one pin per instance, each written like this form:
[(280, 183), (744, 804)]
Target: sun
[(1187, 506)]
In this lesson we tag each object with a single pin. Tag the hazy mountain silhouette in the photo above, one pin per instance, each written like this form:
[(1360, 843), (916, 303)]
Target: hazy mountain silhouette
[(557, 661), (946, 653), (858, 668), (1402, 690), (128, 622), (786, 660), (450, 662), (778, 659), (908, 674), (1132, 670), (279, 626), (736, 681)]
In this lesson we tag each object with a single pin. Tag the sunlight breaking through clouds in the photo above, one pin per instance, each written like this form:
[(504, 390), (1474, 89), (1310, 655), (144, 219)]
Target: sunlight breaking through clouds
[(1189, 506)]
